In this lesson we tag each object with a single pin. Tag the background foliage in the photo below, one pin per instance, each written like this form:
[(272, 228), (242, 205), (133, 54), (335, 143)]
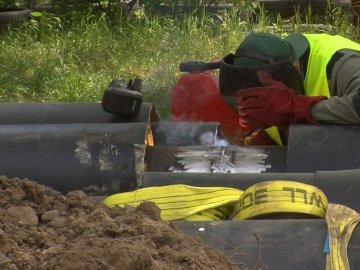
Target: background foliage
[(73, 55)]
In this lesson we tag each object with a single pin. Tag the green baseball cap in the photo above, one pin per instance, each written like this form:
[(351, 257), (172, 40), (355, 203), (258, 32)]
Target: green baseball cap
[(259, 49), (299, 42)]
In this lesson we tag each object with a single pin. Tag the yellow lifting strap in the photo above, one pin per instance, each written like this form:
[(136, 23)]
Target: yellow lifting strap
[(280, 197), (182, 202), (213, 214), (341, 222)]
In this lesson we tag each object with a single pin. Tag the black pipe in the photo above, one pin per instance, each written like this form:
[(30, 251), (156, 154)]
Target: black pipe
[(67, 113), (295, 244), (235, 180), (323, 147), (99, 158)]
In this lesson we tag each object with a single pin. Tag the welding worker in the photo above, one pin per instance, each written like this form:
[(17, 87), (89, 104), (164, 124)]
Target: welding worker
[(274, 82)]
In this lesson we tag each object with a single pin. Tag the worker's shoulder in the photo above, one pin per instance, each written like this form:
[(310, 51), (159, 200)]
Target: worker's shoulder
[(347, 62)]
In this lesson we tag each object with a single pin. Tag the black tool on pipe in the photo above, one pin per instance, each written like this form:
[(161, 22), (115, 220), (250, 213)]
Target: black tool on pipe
[(123, 97)]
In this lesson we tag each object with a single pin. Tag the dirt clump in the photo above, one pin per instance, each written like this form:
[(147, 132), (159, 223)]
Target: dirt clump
[(41, 228)]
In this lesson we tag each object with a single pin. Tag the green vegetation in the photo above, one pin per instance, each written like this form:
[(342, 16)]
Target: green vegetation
[(55, 59)]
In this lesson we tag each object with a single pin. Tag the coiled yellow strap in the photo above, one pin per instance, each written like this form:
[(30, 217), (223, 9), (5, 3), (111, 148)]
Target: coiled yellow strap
[(182, 202), (280, 197)]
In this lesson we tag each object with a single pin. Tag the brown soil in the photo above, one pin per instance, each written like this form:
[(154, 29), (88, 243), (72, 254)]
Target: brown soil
[(43, 229)]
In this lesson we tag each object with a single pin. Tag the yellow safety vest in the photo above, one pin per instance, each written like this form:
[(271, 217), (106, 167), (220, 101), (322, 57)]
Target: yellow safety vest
[(322, 48)]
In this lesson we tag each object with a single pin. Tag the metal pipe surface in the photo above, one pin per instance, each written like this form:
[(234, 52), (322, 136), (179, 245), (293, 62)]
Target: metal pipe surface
[(98, 158), (67, 113)]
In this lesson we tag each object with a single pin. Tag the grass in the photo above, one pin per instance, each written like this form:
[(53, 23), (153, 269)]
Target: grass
[(53, 60)]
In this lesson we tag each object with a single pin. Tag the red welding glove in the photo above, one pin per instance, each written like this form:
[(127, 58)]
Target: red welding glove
[(274, 104)]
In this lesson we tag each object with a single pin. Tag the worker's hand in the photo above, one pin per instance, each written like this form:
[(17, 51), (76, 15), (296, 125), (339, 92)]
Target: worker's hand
[(274, 104)]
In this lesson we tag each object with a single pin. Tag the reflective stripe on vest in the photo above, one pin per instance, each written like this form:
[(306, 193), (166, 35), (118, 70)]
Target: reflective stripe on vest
[(274, 134)]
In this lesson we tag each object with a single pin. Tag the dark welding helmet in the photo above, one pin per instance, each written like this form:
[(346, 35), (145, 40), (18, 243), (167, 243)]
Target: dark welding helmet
[(265, 52)]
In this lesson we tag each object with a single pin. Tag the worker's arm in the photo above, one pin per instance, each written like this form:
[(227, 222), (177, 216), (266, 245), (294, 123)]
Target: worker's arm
[(343, 107), (273, 104)]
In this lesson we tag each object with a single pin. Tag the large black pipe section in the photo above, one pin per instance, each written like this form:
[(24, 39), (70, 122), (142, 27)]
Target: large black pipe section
[(323, 147), (69, 112), (283, 244), (214, 159), (236, 180), (340, 187), (98, 158)]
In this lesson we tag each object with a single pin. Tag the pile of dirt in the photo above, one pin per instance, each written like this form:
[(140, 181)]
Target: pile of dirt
[(42, 229)]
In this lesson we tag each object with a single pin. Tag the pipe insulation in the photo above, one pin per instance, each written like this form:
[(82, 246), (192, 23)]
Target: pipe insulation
[(98, 158)]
